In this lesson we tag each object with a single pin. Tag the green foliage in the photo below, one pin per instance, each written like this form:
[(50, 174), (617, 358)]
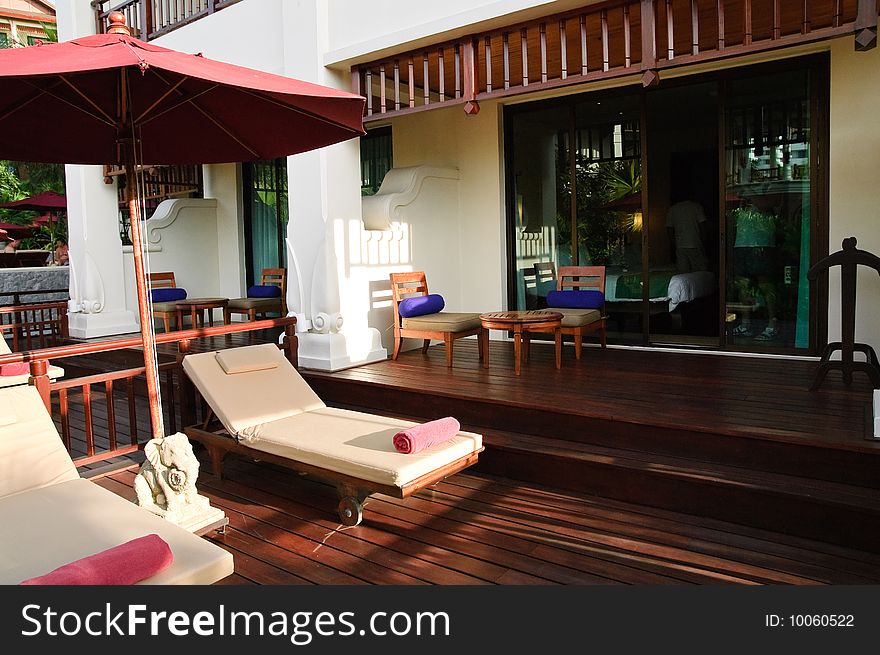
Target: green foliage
[(603, 232), (22, 179), (51, 32), (46, 237)]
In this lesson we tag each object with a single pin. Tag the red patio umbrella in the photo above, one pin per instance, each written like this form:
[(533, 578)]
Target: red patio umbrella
[(16, 231), (47, 201), (110, 98), (51, 202)]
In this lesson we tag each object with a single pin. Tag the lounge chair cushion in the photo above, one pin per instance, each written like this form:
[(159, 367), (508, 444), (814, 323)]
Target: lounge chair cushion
[(251, 399), (31, 452), (255, 303), (233, 361), (356, 444), (55, 525), (442, 322), (54, 373), (577, 317), (4, 347)]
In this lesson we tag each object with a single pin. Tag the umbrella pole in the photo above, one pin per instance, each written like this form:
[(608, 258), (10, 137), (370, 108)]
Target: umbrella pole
[(150, 358)]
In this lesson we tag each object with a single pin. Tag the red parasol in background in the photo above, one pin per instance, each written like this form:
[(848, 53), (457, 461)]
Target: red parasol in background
[(110, 98), (50, 202), (16, 231), (47, 201)]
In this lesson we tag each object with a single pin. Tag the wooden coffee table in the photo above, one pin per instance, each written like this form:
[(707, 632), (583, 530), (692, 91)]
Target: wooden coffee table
[(196, 307), (520, 323)]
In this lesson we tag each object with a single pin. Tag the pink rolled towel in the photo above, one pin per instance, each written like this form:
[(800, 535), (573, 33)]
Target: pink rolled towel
[(419, 437), (124, 564), (20, 368)]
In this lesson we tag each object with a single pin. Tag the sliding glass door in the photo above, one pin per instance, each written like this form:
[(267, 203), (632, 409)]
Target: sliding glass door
[(699, 197), (577, 206), (769, 173)]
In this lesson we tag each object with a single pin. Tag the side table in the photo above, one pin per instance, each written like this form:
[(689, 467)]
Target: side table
[(196, 307), (520, 322)]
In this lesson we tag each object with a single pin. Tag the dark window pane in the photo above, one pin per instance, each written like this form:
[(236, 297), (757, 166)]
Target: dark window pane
[(376, 159)]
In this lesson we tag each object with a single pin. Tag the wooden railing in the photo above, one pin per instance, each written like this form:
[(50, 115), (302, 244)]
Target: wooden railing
[(87, 409), (149, 19), (605, 40), (37, 325)]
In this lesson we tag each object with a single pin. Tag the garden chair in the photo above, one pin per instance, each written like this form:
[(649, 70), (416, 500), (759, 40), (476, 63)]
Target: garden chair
[(419, 315), (269, 296)]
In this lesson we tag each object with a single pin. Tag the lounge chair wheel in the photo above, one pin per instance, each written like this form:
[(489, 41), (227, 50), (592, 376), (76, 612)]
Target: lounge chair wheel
[(351, 512)]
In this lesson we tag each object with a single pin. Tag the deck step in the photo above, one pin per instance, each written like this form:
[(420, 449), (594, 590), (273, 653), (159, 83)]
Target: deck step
[(815, 509), (853, 463), (834, 497)]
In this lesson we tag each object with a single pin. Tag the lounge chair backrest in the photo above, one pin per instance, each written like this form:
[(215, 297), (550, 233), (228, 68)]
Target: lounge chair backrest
[(244, 401), (31, 452)]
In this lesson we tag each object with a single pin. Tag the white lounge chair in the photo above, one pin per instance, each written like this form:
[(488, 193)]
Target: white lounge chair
[(51, 516), (268, 412)]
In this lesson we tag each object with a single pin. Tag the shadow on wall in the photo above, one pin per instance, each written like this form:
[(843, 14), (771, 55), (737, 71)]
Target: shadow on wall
[(380, 314)]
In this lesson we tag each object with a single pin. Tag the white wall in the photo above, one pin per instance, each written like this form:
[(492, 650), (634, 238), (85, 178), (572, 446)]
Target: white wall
[(472, 144), (854, 179), (361, 28), (223, 183), (246, 34), (183, 238)]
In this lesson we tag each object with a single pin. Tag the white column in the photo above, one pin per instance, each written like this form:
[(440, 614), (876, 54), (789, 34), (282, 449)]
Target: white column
[(97, 279), (222, 182), (97, 270), (324, 195)]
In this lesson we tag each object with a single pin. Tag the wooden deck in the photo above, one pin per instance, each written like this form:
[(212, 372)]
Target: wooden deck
[(480, 529), (628, 467), (734, 438), (761, 398)]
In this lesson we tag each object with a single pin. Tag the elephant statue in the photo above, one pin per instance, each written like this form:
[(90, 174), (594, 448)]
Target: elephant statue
[(166, 482)]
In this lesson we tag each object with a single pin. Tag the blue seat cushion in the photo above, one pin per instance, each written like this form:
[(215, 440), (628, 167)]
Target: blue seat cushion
[(421, 305), (576, 299), (169, 294), (264, 291)]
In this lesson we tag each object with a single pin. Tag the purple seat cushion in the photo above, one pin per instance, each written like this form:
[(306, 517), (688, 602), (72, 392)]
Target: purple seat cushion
[(264, 291), (169, 294), (576, 299), (421, 305)]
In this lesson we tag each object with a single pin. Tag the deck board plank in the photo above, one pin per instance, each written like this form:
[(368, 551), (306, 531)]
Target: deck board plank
[(475, 529)]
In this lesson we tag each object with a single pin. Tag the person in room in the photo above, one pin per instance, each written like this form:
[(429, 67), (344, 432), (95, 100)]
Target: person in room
[(687, 227), (754, 262)]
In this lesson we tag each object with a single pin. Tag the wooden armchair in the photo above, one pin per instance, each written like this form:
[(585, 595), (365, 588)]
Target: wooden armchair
[(167, 311), (254, 306), (445, 326), (578, 322)]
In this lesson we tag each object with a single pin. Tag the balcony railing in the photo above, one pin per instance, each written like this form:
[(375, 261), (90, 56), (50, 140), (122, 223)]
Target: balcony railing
[(98, 414), (149, 19), (605, 40)]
